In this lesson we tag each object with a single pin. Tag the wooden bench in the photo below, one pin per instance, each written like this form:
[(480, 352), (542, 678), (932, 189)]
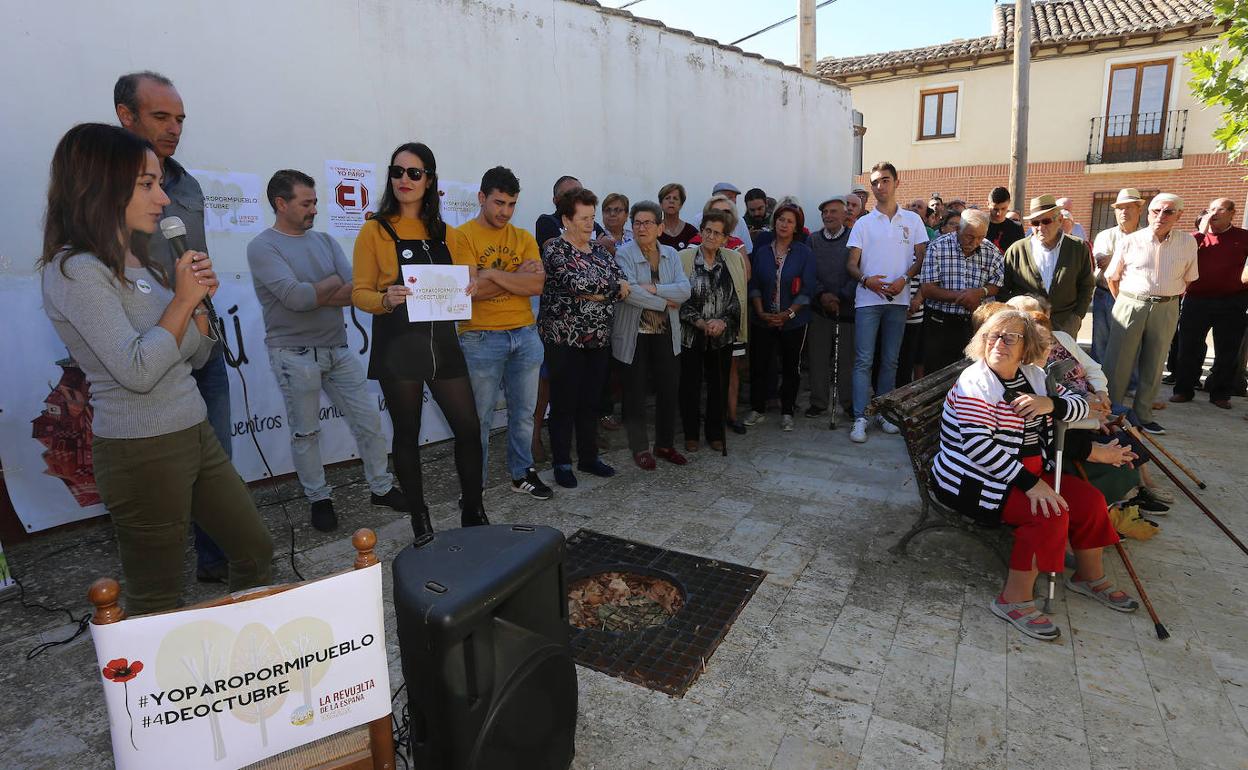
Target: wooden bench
[(916, 409)]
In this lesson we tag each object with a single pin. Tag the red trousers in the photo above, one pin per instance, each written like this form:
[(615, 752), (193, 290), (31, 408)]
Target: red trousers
[(1042, 539)]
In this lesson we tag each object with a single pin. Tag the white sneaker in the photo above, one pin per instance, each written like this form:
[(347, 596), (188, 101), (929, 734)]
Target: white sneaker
[(753, 418), (786, 422), (888, 427), (858, 434)]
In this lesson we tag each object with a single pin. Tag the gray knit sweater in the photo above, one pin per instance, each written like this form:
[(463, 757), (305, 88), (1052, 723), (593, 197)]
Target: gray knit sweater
[(141, 384)]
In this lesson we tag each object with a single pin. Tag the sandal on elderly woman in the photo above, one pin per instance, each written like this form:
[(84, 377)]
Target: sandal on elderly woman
[(1026, 618), (1101, 589)]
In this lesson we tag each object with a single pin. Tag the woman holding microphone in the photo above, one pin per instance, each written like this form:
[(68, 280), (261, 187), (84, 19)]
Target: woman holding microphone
[(137, 333), (408, 355)]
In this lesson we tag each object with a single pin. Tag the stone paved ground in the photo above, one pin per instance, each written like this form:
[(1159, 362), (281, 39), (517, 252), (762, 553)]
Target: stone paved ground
[(846, 657)]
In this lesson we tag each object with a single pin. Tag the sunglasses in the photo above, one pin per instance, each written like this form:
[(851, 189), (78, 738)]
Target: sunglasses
[(614, 210), (414, 174), (1164, 212), (1039, 222), (1009, 338)]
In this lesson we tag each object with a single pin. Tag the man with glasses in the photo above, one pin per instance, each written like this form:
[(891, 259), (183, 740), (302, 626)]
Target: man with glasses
[(1150, 270), (961, 270), (1050, 265)]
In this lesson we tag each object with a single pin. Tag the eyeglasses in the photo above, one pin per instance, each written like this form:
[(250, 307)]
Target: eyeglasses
[(1009, 338), (414, 174), (644, 223), (1164, 212), (711, 233), (1039, 222)]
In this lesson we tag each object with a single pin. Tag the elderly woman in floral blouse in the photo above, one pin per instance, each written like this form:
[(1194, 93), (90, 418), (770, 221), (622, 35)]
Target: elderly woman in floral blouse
[(583, 283)]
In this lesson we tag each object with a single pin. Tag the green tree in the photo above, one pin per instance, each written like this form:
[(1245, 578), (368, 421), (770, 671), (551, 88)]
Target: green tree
[(1220, 77)]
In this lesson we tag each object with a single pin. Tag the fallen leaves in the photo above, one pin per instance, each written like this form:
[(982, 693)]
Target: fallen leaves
[(622, 601)]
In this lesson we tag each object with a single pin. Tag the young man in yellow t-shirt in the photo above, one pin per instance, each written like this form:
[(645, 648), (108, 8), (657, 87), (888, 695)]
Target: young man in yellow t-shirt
[(500, 342)]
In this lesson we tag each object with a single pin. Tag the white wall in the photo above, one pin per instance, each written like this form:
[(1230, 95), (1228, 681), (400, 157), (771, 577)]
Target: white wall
[(545, 87)]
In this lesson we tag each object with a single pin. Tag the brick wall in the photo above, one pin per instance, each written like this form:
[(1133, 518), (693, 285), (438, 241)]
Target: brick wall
[(1202, 178)]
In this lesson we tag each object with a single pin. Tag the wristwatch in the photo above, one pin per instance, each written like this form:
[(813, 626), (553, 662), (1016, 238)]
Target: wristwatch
[(792, 314)]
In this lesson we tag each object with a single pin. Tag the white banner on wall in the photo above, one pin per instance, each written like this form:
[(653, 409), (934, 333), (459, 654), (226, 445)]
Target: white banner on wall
[(351, 193), (234, 202), (222, 687), (45, 416)]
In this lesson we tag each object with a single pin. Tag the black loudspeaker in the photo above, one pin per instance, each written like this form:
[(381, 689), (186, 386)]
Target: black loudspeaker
[(483, 630)]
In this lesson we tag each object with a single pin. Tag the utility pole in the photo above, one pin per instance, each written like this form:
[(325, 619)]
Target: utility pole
[(806, 35), (1019, 108)]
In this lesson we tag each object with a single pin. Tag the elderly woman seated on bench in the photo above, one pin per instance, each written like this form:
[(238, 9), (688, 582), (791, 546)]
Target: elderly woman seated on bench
[(995, 452)]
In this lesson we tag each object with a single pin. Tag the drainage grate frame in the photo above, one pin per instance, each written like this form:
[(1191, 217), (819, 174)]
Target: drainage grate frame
[(668, 658)]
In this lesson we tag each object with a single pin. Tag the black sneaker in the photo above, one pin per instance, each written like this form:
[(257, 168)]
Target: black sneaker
[(597, 467), (1169, 379), (392, 499), (1153, 428), (1147, 502), (533, 485), (323, 517), (814, 411)]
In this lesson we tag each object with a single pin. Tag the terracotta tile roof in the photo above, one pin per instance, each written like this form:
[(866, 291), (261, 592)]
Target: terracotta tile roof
[(1053, 22)]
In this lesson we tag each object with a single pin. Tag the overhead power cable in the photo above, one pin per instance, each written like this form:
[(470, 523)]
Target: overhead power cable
[(769, 28)]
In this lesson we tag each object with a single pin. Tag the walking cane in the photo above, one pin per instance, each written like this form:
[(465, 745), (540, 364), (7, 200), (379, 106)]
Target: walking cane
[(1175, 460), (1183, 487), (1161, 631), (835, 398), (1052, 373)]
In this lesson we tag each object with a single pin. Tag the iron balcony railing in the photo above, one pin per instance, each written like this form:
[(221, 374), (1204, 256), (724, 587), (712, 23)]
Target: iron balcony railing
[(1139, 136)]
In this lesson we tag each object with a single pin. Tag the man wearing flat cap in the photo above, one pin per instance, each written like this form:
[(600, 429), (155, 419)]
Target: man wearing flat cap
[(1148, 273), (1050, 265), (1127, 210), (742, 230)]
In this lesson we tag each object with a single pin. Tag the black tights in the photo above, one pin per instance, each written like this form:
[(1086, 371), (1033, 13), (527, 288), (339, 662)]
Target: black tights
[(405, 400)]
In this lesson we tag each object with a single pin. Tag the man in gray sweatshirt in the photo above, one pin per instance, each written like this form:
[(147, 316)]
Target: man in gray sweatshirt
[(833, 310), (303, 280)]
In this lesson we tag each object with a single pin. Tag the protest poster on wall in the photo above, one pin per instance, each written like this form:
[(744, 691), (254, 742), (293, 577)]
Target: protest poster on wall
[(45, 413), (459, 201), (352, 192), (234, 202), (222, 687)]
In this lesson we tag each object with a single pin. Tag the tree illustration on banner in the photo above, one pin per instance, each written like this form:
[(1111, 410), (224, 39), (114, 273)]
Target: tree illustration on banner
[(194, 655), (122, 671), (299, 637), (255, 648)]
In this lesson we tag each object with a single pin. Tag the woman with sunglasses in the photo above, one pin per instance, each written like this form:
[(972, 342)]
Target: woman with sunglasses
[(709, 321), (995, 466), (407, 356), (137, 332)]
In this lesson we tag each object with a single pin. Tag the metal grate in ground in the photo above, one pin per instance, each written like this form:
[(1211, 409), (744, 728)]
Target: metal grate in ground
[(668, 658)]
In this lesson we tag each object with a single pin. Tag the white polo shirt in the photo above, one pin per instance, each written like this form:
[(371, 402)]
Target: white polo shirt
[(887, 249)]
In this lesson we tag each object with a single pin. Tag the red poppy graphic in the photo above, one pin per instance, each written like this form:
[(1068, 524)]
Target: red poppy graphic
[(122, 670), (411, 279)]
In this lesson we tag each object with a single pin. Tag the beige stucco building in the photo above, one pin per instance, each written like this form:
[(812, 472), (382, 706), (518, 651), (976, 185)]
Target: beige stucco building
[(1109, 101)]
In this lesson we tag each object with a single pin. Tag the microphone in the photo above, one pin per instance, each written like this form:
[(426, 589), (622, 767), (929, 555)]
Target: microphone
[(174, 230)]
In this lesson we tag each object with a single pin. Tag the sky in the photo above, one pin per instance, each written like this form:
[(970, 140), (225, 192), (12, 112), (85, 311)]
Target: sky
[(844, 28)]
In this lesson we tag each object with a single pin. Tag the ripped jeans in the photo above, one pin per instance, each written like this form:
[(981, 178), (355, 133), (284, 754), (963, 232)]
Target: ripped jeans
[(302, 373)]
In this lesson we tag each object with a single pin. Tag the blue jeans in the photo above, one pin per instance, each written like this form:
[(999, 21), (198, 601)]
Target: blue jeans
[(302, 373), (889, 323), (214, 388), (509, 359), (1102, 321)]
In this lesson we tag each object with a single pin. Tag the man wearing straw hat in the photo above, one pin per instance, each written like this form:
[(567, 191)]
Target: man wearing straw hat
[(1050, 265), (1127, 210), (1150, 270)]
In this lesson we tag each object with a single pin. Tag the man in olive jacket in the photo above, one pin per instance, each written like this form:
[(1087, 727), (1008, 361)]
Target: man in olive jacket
[(1052, 265)]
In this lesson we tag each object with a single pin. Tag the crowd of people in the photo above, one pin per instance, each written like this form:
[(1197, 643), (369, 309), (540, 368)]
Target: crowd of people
[(644, 307)]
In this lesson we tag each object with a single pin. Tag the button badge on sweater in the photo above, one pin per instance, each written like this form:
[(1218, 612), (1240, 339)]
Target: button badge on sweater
[(407, 253), (143, 286)]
